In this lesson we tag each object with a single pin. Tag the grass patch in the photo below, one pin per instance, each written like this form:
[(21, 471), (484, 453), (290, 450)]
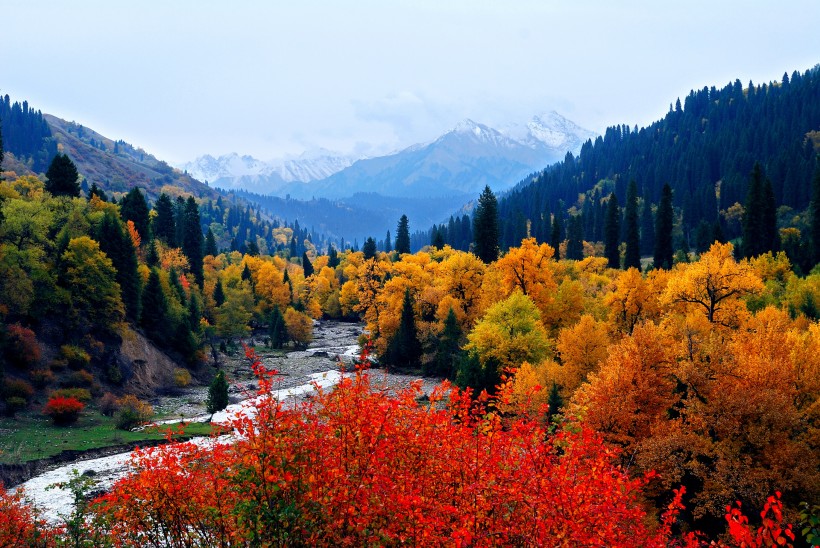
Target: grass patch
[(32, 436)]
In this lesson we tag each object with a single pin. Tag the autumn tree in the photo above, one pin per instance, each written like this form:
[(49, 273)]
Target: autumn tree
[(485, 226), (62, 177), (715, 285), (299, 327)]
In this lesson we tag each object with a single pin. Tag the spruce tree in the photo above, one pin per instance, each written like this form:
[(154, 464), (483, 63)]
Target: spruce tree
[(555, 236), (117, 245), (404, 349), (485, 226), (62, 177), (217, 393), (192, 240), (210, 244), (369, 248), (96, 191), (164, 224), (154, 317), (134, 208), (770, 235), (814, 216), (612, 232), (663, 230), (753, 215), (306, 265), (575, 237), (632, 257), (437, 240), (152, 255), (647, 228), (219, 293), (555, 402), (448, 351), (276, 328), (332, 257), (403, 236), (388, 246)]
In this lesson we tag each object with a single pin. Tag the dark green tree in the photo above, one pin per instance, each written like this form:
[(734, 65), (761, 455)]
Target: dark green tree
[(555, 236), (405, 349), (134, 208), (612, 232), (192, 241), (97, 191), (485, 226), (632, 256), (647, 229), (210, 244), (276, 328), (217, 393), (62, 177), (251, 248), (575, 237), (307, 266), (219, 293), (369, 248), (448, 351), (388, 246), (116, 243), (437, 240), (663, 230), (164, 224), (555, 402), (332, 257), (154, 317), (403, 236), (152, 255), (814, 216)]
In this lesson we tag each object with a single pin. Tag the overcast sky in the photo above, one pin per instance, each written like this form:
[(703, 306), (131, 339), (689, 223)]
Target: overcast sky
[(185, 78)]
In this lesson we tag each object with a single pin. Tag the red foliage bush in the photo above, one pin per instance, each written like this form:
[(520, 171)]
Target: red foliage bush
[(63, 410), (19, 525), (21, 347)]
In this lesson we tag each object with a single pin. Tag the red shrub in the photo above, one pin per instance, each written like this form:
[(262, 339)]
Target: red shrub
[(22, 349), (63, 410)]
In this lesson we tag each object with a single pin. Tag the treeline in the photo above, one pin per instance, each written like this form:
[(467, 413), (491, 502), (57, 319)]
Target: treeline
[(27, 134), (705, 149)]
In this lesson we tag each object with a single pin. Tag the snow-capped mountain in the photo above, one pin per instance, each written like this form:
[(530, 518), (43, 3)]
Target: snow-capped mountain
[(235, 171), (460, 162)]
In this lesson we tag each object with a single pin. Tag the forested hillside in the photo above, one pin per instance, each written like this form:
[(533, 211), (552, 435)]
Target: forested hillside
[(705, 148)]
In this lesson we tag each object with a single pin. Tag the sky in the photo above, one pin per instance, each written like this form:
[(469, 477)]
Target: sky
[(184, 78)]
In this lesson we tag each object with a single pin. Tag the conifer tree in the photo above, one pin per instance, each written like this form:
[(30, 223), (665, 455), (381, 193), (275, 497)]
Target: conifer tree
[(663, 230), (403, 236), (97, 191), (164, 224), (306, 265), (632, 257), (555, 236), (485, 226), (555, 402), (134, 208), (437, 240), (116, 243), (210, 244), (152, 255), (612, 232), (62, 177), (276, 328), (217, 393), (192, 242), (219, 293), (647, 228), (388, 246), (332, 257), (753, 215), (154, 317), (448, 351), (814, 216), (404, 349), (369, 248), (575, 236)]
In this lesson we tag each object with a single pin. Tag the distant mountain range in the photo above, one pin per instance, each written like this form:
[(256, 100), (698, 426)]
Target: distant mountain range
[(458, 163)]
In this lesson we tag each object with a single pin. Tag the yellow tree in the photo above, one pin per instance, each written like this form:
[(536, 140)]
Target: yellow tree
[(630, 301), (581, 348), (714, 284), (529, 268)]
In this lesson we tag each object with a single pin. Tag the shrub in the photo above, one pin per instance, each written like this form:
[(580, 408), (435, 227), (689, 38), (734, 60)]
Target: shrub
[(42, 377), (108, 404), (17, 388), (14, 404), (81, 394), (76, 357), (80, 378), (21, 347), (182, 378), (133, 412), (62, 410)]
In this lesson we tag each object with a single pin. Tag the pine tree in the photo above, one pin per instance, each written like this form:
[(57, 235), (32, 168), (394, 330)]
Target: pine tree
[(116, 243), (164, 224), (647, 228), (403, 236), (217, 393), (306, 265), (770, 235), (62, 177), (332, 257), (192, 241), (663, 230), (134, 208), (485, 226), (219, 293), (814, 216), (96, 191), (369, 248), (276, 328), (437, 240), (210, 244), (753, 215), (404, 349), (448, 351), (575, 236), (388, 246), (555, 402), (632, 257), (612, 232), (555, 236), (154, 317), (152, 255)]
